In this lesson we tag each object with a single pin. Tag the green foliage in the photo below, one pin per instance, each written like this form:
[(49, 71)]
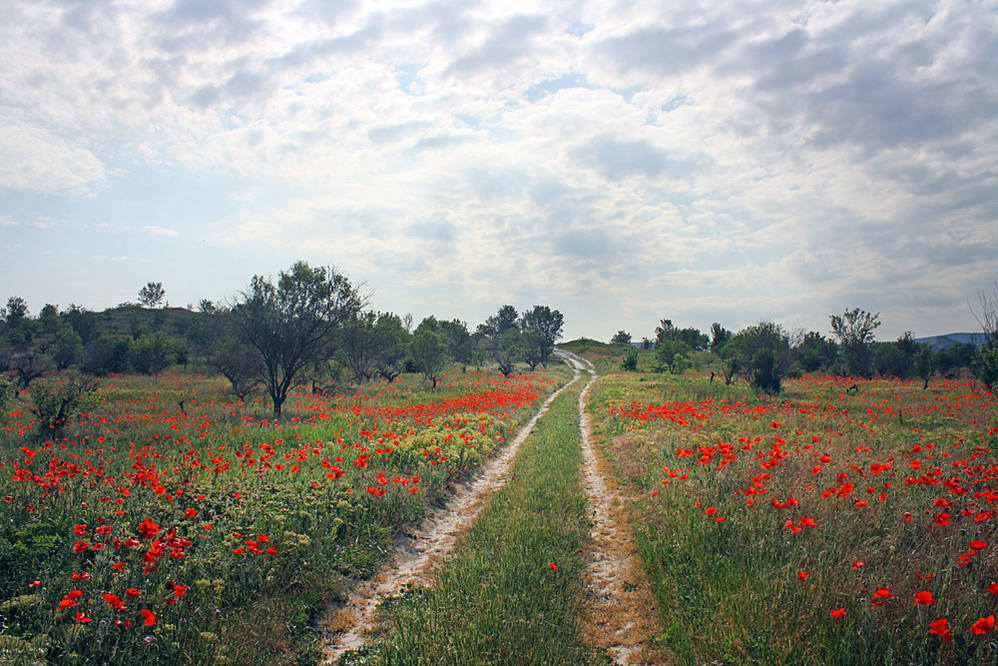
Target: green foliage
[(761, 353), (816, 352), (854, 329), (66, 348), (392, 346), (55, 404), (429, 350), (151, 354), (630, 362), (542, 327), (622, 337), (106, 353), (152, 294), (16, 311), (987, 359), (292, 324), (672, 355)]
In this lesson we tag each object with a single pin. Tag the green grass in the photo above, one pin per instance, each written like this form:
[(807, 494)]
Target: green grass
[(136, 455), (498, 601), (728, 591)]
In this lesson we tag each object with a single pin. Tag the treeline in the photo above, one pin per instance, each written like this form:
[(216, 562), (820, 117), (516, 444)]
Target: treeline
[(311, 325), (766, 353)]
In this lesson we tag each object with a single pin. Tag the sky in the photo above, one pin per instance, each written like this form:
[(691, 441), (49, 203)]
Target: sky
[(622, 162)]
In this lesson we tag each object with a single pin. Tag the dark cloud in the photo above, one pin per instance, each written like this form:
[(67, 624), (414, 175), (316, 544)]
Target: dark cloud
[(616, 159), (662, 50), (193, 25), (507, 44)]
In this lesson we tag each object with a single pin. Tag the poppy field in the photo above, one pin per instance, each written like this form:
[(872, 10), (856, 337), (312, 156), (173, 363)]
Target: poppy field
[(172, 523), (846, 521)]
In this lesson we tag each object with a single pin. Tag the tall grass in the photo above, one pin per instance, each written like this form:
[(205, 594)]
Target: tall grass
[(873, 469)]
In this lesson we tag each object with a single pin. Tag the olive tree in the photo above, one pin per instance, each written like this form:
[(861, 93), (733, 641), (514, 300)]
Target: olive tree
[(854, 329), (292, 323)]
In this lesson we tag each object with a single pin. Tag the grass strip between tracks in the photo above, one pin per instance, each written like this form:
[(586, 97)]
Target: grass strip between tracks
[(514, 588)]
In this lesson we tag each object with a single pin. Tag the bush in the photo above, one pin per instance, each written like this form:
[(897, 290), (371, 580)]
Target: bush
[(151, 354), (630, 362), (56, 404)]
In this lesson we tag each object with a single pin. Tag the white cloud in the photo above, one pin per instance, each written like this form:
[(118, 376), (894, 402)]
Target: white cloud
[(161, 231), (577, 149)]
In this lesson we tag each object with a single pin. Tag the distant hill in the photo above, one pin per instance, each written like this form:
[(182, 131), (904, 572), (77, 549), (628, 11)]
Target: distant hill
[(937, 342)]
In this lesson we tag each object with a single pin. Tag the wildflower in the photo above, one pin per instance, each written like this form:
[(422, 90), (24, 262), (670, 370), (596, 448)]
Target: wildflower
[(939, 627), (801, 575), (983, 625), (837, 612), (147, 529), (554, 567), (924, 598), (978, 545), (148, 617)]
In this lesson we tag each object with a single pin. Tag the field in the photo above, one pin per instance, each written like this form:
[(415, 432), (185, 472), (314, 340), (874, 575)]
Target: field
[(845, 521), (172, 524)]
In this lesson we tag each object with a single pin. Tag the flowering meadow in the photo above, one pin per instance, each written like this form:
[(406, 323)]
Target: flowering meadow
[(846, 521), (171, 523)]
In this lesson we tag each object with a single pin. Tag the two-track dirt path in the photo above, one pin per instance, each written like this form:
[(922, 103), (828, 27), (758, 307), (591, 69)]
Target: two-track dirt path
[(621, 615), (418, 554)]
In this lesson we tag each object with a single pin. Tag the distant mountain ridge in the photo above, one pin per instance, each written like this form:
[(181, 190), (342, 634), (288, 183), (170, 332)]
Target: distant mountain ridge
[(937, 342)]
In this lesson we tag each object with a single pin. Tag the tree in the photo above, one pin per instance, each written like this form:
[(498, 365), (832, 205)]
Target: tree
[(500, 335), (358, 344), (509, 349), (292, 323), (151, 354), (152, 294), (104, 354), (672, 355), (923, 364), (429, 350), (719, 336), (15, 312), (543, 327), (29, 365), (630, 361), (816, 352), (621, 337), (66, 348), (391, 347), (458, 340), (48, 318), (854, 329), (987, 354), (500, 322), (761, 353)]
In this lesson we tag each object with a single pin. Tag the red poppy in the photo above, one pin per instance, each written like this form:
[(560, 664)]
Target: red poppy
[(802, 575), (983, 625), (148, 617), (837, 612), (148, 529), (993, 588), (924, 598), (978, 545), (939, 627), (882, 592)]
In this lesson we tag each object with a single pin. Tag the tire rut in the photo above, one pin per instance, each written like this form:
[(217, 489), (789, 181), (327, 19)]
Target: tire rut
[(621, 616), (419, 552)]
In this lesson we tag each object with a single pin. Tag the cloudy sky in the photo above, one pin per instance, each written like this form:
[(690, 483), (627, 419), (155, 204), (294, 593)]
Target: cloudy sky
[(623, 162)]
